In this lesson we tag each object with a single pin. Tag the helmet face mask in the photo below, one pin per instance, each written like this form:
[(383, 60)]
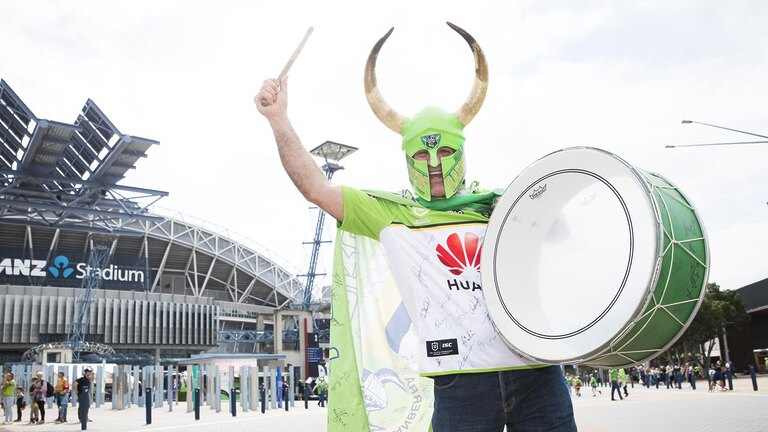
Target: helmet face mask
[(431, 130)]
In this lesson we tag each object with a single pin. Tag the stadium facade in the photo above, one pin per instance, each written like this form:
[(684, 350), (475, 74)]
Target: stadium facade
[(173, 287)]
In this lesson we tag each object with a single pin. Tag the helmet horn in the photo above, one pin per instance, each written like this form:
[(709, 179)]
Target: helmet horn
[(386, 114), (474, 101), (392, 119)]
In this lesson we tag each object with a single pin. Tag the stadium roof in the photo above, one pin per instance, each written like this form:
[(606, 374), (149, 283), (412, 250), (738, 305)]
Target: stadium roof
[(755, 295), (177, 254)]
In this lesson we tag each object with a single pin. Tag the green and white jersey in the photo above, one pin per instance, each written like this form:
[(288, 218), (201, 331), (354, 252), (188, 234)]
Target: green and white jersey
[(435, 260)]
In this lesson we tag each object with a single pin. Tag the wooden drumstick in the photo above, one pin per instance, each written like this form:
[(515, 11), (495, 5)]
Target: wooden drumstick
[(288, 65)]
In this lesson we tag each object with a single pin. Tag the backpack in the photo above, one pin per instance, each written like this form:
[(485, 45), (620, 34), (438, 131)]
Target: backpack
[(48, 390)]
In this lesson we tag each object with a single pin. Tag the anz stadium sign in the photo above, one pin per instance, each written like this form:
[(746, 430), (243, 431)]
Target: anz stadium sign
[(64, 270)]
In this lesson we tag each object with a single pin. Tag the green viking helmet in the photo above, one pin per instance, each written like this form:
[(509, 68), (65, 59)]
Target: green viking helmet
[(432, 128)]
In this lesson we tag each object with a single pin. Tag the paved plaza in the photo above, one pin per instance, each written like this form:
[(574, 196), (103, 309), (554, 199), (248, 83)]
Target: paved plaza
[(686, 410)]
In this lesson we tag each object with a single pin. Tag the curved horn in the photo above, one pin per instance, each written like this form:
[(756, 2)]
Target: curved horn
[(474, 101), (391, 118)]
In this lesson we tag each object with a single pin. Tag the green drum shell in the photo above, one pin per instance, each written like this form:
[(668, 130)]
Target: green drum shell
[(678, 286)]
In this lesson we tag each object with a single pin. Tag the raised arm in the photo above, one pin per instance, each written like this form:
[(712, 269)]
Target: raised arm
[(297, 162)]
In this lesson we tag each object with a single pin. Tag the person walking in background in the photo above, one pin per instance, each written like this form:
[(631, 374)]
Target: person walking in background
[(593, 384), (719, 379), (62, 397), (614, 374), (321, 388), (577, 385), (689, 374), (9, 391), (20, 402), (41, 387), (623, 381), (33, 412), (83, 390), (711, 374)]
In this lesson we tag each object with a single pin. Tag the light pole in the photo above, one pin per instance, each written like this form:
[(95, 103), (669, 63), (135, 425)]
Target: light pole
[(720, 144)]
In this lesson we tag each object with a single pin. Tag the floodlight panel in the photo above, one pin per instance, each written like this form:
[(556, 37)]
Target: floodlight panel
[(13, 130), (7, 153), (93, 135), (14, 113), (49, 141), (71, 165), (15, 121), (333, 151)]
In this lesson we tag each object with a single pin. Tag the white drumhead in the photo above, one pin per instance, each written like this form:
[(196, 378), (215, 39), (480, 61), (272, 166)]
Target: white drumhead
[(570, 255)]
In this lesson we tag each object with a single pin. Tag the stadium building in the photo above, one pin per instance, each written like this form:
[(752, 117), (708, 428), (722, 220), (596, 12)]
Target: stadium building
[(168, 286)]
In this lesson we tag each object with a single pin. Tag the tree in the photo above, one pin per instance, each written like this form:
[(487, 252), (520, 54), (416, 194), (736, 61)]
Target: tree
[(719, 310)]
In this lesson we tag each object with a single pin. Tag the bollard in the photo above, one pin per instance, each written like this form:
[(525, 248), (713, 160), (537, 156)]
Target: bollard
[(306, 396), (148, 405), (232, 402), (754, 378), (171, 392), (263, 400), (729, 374), (196, 401)]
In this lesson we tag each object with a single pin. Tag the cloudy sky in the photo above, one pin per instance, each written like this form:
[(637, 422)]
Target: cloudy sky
[(615, 75)]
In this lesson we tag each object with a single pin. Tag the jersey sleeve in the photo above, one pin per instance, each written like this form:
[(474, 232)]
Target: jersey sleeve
[(365, 215)]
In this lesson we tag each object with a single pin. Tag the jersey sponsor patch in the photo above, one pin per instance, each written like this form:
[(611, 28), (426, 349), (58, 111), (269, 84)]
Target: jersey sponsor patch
[(443, 347)]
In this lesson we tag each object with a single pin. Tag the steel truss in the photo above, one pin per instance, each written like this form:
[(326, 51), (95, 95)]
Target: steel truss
[(256, 263), (94, 347), (98, 259), (85, 206)]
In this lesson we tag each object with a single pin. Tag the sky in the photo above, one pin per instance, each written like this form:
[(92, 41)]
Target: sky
[(615, 75)]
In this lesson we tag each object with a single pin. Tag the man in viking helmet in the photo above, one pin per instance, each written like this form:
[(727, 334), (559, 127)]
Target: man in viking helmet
[(432, 244)]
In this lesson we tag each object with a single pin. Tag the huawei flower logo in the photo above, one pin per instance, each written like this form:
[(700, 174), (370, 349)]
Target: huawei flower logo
[(458, 256)]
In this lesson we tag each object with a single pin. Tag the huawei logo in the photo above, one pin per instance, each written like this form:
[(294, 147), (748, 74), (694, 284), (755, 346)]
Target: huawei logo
[(458, 256)]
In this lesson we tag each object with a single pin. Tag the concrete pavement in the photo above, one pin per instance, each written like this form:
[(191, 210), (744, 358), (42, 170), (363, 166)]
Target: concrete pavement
[(686, 410)]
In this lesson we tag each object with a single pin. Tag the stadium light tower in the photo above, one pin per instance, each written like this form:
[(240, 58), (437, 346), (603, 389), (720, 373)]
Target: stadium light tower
[(332, 153)]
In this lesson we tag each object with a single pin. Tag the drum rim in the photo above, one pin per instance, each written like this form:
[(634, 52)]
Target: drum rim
[(650, 286)]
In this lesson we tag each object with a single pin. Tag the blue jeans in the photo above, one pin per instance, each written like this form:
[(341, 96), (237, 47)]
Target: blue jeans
[(523, 400), (61, 401), (9, 402)]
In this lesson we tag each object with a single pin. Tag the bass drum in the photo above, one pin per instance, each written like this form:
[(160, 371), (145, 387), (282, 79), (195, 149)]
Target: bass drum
[(590, 260)]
